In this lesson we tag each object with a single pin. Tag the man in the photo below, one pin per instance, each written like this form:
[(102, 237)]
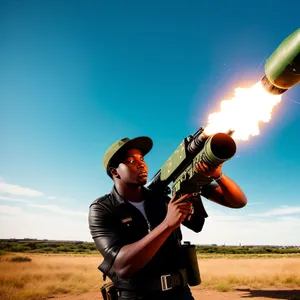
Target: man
[(138, 231)]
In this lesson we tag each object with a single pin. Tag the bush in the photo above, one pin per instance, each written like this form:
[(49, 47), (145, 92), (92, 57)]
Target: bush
[(223, 287), (20, 259)]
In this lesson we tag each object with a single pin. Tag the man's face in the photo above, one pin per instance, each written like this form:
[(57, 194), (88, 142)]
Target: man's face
[(133, 169)]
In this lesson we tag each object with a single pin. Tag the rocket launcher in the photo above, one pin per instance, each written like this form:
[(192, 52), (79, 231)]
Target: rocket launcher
[(179, 169)]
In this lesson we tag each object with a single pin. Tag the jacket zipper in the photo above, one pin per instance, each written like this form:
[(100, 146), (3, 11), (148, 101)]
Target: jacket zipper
[(149, 226), (148, 223)]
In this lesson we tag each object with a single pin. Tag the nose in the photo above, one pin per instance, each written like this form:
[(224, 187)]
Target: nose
[(141, 164)]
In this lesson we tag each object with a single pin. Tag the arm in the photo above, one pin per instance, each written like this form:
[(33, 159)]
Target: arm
[(134, 256), (127, 259), (226, 191)]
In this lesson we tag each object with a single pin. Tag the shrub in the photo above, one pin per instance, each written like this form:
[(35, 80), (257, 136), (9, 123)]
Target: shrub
[(223, 287), (20, 259)]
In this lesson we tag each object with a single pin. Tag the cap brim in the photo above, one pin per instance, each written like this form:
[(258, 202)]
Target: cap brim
[(143, 143)]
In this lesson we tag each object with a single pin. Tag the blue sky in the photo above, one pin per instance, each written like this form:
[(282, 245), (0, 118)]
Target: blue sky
[(77, 75)]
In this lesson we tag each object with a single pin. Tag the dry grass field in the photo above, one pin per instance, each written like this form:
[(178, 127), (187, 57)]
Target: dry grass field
[(48, 275)]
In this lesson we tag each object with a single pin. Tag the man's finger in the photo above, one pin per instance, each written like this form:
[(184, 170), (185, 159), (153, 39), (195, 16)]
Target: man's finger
[(184, 206), (185, 210), (173, 198), (204, 165), (200, 168), (182, 198), (183, 217), (183, 203)]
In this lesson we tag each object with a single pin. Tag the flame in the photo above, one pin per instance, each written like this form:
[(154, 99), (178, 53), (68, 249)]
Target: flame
[(243, 112)]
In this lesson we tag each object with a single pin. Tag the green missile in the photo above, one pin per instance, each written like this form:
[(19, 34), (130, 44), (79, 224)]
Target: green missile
[(282, 69)]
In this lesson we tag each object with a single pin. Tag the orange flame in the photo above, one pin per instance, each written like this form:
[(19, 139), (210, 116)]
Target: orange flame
[(243, 112)]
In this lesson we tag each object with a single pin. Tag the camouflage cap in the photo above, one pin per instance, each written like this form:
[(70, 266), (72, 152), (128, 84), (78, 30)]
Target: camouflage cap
[(115, 153)]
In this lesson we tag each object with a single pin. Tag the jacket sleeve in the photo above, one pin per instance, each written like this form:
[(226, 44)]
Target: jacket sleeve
[(103, 229), (209, 187)]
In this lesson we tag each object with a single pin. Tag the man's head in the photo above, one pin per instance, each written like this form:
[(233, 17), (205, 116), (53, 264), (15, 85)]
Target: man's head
[(124, 160)]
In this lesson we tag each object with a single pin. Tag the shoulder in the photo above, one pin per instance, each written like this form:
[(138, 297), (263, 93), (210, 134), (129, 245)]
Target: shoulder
[(101, 200), (102, 205), (100, 209)]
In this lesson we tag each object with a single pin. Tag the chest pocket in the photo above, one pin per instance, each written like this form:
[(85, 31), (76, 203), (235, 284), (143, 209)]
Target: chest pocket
[(133, 227), (127, 222)]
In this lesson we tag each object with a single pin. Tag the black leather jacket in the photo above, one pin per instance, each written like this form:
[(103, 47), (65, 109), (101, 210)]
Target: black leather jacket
[(114, 223)]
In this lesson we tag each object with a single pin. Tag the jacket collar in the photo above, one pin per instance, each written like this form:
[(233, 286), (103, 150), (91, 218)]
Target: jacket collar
[(121, 200), (116, 195)]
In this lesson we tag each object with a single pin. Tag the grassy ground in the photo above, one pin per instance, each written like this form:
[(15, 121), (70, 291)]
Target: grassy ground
[(47, 275), (41, 276), (247, 256), (225, 274)]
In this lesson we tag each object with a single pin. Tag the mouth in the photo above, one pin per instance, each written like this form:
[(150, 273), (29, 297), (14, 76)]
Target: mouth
[(143, 174)]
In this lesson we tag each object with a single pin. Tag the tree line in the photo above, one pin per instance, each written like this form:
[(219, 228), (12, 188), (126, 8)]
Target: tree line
[(37, 246)]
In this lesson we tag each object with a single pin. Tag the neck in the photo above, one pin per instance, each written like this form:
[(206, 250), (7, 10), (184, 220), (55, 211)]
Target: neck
[(130, 192)]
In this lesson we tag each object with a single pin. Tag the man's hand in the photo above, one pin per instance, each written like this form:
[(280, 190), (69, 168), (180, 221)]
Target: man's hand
[(133, 257), (202, 168), (177, 211)]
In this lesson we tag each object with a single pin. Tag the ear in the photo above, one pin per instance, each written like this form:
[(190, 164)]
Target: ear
[(114, 173)]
